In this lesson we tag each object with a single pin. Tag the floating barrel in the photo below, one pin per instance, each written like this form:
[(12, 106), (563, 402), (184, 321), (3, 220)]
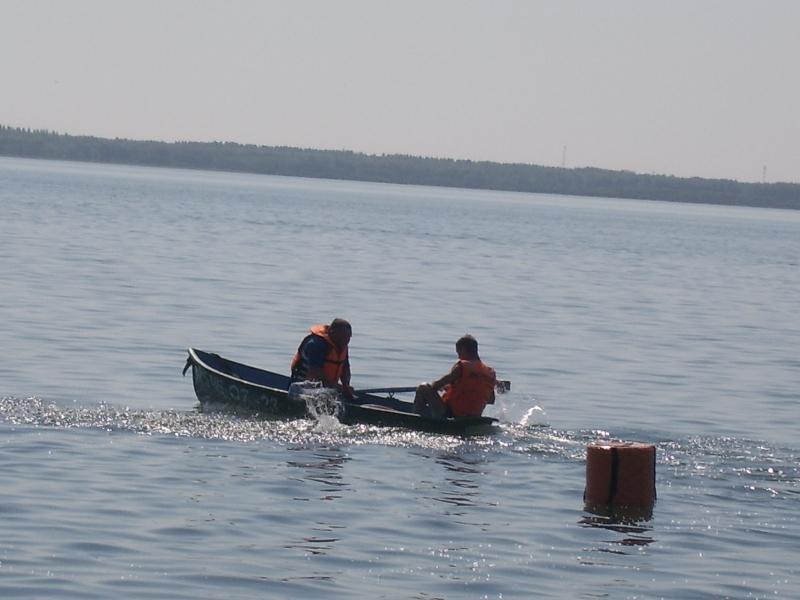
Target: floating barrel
[(620, 475)]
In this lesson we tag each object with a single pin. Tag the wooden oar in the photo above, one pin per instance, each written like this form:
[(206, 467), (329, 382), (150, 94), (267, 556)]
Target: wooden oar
[(502, 386), (387, 390)]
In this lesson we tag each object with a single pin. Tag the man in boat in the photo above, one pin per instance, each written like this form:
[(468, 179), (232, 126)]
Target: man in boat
[(467, 388), (322, 356)]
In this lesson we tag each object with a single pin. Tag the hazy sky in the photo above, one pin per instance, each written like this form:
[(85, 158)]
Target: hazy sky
[(707, 88)]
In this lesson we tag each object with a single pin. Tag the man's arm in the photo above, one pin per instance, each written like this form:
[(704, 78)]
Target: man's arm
[(346, 389), (451, 377)]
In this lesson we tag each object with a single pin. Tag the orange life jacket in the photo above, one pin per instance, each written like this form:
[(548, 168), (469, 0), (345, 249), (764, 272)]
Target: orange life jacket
[(335, 360), (469, 395)]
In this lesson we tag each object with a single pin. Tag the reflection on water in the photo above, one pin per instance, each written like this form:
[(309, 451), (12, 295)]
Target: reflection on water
[(461, 464), (634, 533), (324, 467), (621, 522), (313, 544), (463, 489), (459, 488)]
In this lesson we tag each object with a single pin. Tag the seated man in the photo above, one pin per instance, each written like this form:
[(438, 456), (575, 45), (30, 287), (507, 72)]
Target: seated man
[(468, 387), (323, 356)]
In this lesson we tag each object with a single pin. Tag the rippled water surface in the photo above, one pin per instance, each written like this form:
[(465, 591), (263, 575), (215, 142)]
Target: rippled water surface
[(670, 324)]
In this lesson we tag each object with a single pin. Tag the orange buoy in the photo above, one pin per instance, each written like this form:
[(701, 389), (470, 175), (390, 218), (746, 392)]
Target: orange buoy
[(620, 475)]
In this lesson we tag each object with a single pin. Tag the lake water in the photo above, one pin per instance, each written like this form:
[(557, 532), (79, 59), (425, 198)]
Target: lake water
[(664, 323)]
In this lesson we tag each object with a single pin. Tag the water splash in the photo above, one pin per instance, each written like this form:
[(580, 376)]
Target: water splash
[(535, 416), (511, 404), (323, 405)]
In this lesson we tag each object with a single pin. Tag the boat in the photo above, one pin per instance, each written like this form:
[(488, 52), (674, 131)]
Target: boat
[(220, 381)]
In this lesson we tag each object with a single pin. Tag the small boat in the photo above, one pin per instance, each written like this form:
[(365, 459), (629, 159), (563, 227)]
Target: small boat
[(218, 380)]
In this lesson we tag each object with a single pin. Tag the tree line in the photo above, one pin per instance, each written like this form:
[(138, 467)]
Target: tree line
[(395, 168)]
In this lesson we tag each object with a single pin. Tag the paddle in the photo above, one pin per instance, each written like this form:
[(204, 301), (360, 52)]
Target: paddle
[(387, 390), (502, 386)]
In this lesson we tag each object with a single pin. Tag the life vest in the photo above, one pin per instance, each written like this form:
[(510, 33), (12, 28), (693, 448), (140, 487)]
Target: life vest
[(335, 359), (468, 396)]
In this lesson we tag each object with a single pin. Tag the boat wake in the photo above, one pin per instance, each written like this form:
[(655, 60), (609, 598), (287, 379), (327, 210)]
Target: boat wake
[(755, 466), (320, 427)]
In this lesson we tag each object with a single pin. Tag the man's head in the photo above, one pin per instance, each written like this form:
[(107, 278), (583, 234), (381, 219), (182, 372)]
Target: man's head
[(340, 332), (467, 347)]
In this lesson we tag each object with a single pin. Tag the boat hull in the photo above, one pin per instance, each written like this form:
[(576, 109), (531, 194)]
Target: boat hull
[(220, 381), (371, 414)]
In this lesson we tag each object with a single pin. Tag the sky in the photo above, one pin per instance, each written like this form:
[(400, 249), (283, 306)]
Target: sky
[(693, 88)]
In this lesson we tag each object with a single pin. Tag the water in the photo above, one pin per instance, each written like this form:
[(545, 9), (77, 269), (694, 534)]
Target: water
[(665, 323)]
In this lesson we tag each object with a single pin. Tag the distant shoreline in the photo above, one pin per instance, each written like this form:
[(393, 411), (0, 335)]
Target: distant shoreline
[(395, 168)]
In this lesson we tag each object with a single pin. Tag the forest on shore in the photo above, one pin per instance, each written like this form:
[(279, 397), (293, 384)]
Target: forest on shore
[(395, 168)]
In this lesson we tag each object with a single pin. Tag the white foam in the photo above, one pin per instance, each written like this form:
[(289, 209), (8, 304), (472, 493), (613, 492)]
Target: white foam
[(535, 416)]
